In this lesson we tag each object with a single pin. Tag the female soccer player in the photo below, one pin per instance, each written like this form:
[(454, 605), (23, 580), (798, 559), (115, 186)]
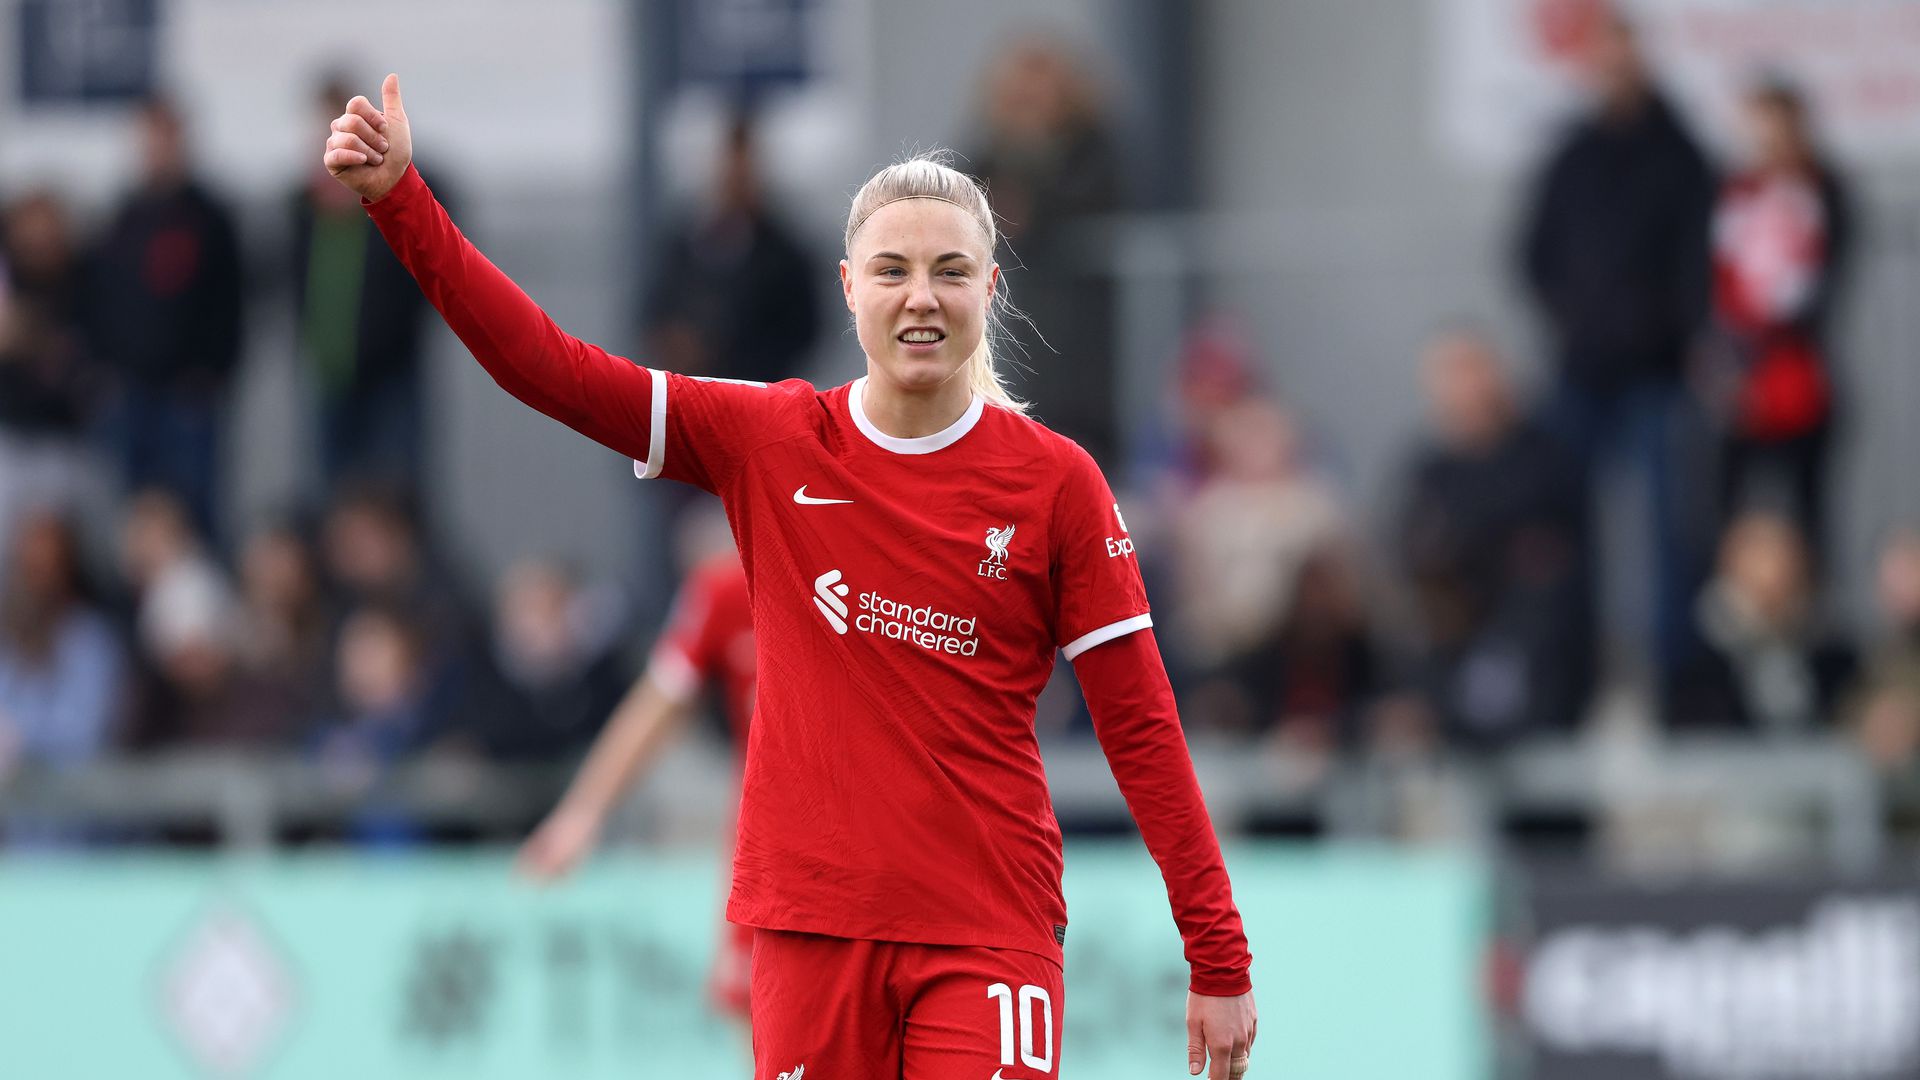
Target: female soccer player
[(917, 549), (709, 640)]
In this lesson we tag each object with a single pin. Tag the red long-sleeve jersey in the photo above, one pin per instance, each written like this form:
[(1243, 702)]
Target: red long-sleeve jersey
[(908, 598)]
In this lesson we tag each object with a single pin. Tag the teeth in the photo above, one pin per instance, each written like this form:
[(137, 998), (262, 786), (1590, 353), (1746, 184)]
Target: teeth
[(921, 336)]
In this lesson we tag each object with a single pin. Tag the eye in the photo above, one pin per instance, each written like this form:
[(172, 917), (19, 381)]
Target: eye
[(893, 272), (957, 275)]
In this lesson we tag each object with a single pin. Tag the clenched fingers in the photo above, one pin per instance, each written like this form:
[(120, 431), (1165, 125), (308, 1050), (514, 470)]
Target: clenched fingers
[(338, 161), (355, 124), (365, 109), (343, 140), (344, 149)]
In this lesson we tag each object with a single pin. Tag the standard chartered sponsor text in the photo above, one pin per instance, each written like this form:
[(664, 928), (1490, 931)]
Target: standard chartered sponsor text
[(931, 629)]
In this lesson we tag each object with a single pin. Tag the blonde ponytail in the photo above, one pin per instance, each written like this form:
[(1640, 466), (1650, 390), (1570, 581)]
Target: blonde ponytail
[(928, 176)]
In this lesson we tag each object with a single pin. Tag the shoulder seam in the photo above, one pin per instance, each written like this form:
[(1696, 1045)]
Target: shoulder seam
[(772, 439)]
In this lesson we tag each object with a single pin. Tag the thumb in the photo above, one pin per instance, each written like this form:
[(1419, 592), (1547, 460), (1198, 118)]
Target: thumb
[(1196, 1048), (390, 98)]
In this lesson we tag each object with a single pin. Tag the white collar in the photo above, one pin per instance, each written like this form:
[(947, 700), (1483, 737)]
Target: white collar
[(925, 444)]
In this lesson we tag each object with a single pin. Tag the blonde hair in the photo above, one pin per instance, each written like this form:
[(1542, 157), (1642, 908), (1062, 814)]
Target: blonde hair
[(928, 176)]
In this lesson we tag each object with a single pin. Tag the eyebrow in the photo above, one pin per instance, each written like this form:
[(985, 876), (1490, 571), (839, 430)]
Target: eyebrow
[(897, 257)]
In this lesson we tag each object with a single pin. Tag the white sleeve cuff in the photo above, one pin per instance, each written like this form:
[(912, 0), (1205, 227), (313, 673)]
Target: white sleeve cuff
[(673, 673), (657, 433), (1105, 634)]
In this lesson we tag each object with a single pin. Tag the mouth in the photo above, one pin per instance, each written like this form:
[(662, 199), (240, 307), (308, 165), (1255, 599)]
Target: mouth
[(921, 338)]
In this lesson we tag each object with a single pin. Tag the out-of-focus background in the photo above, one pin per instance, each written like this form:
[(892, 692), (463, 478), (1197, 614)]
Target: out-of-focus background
[(1512, 401)]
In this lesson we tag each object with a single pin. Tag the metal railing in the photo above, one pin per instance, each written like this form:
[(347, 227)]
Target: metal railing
[(249, 802)]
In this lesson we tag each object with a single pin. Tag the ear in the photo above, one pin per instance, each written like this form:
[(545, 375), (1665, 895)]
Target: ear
[(846, 283), (993, 282)]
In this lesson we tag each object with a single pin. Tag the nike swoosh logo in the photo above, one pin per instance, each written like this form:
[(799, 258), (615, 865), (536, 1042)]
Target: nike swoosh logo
[(805, 499)]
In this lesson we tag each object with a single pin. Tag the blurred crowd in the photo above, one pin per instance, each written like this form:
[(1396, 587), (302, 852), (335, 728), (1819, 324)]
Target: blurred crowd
[(1687, 306), (132, 621)]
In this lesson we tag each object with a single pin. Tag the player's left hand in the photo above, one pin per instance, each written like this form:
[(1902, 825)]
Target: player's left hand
[(1220, 1028)]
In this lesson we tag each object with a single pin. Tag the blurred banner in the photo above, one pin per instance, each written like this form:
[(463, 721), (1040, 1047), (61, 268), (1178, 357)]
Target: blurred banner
[(424, 966), (1508, 69), (745, 46), (74, 51), (1799, 981)]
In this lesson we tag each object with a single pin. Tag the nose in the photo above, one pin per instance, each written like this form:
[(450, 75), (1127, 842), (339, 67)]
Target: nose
[(920, 294)]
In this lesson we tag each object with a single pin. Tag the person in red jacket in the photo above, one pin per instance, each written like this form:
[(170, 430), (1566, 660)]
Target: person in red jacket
[(708, 640), (1780, 239), (917, 550)]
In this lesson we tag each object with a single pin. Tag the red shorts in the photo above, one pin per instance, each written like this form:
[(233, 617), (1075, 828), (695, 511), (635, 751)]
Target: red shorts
[(827, 1008), (732, 970)]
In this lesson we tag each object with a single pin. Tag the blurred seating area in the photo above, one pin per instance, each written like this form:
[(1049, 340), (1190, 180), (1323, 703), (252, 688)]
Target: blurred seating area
[(1440, 665)]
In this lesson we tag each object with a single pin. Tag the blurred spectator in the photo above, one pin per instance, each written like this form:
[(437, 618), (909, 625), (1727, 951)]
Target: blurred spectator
[(1324, 672), (163, 314), (1242, 546), (1615, 252), (1214, 372), (374, 552), (1049, 161), (1172, 454), (289, 623), (62, 670), (1766, 665), (361, 320), (190, 626), (376, 555), (732, 294), (1884, 709), (36, 245), (47, 388), (1493, 537), (384, 687), (1779, 244), (552, 673)]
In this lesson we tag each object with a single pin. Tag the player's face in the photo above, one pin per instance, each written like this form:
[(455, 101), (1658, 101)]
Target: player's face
[(918, 281)]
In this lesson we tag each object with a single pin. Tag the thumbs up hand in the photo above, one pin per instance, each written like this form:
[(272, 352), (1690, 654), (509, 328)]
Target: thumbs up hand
[(368, 148)]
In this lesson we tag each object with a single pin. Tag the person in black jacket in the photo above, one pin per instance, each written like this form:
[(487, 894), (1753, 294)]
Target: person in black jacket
[(1615, 253), (48, 386), (163, 313), (360, 320), (1493, 538), (731, 296), (1047, 152), (549, 673)]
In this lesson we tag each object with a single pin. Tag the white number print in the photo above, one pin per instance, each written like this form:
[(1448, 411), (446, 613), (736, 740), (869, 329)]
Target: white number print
[(1028, 996)]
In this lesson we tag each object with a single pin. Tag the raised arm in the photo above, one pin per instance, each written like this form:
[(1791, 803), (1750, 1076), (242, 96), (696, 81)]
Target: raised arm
[(602, 396)]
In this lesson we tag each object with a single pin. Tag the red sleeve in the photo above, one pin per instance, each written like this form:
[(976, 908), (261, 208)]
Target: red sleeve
[(1098, 595), (682, 660), (1138, 726), (710, 427), (602, 396)]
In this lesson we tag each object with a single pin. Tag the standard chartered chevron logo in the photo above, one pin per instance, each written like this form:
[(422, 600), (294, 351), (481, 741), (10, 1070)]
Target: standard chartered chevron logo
[(828, 590), (896, 620)]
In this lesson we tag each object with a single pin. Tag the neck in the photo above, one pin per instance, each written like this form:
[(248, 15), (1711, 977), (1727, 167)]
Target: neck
[(1795, 163), (1625, 106), (915, 413)]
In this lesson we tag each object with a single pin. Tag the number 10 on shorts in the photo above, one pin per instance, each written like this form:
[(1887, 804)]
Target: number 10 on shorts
[(1028, 996)]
